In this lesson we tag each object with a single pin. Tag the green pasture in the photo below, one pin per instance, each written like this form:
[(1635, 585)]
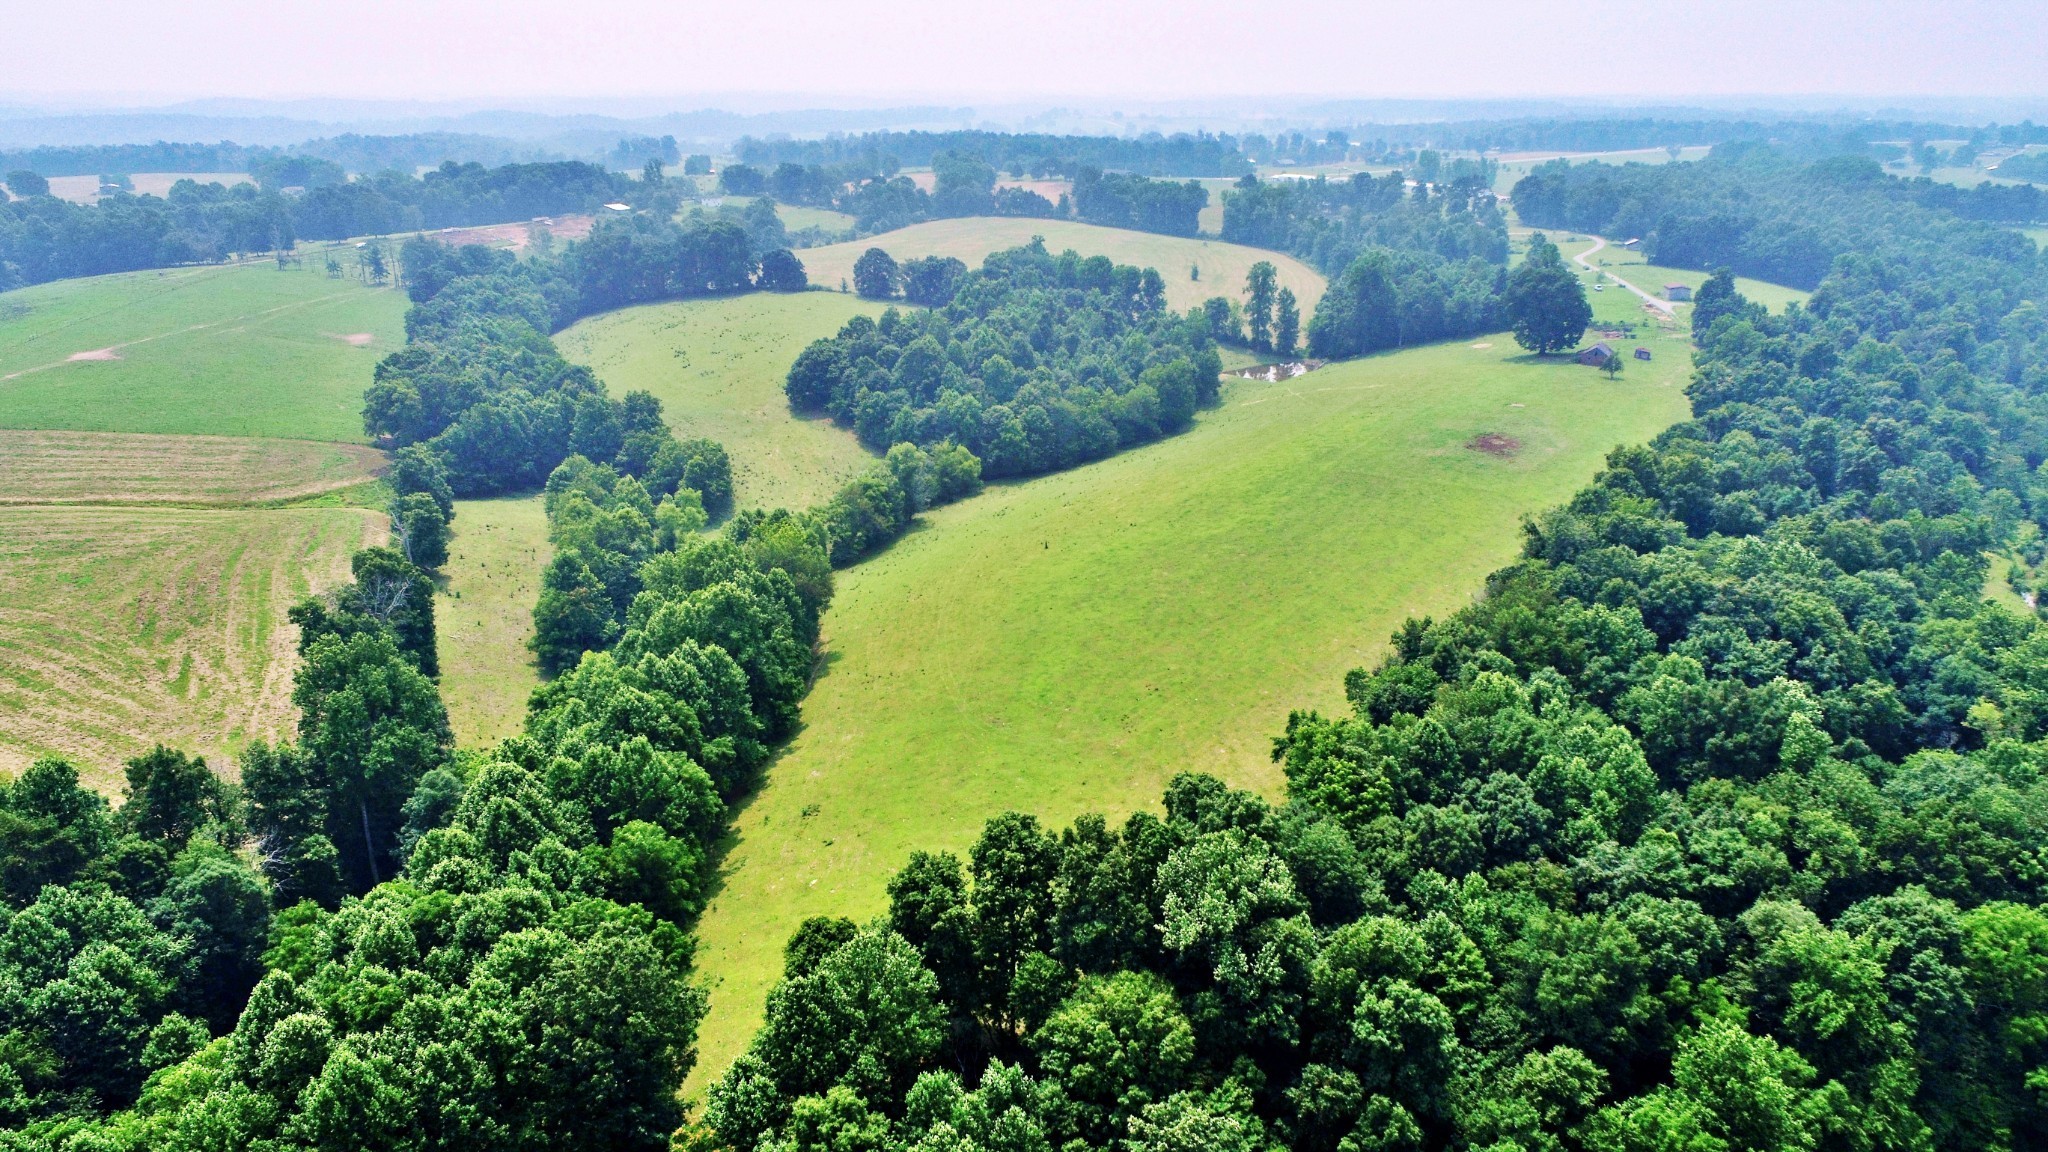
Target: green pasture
[(484, 616), (1066, 644), (225, 350), (796, 217), (718, 368), (1221, 267)]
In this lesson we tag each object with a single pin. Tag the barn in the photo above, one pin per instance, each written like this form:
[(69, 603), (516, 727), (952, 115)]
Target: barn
[(1678, 292), (1597, 356)]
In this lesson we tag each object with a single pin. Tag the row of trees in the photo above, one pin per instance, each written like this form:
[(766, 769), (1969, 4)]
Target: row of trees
[(1329, 222), (1035, 362), (1715, 825), (43, 238), (481, 387), (376, 940)]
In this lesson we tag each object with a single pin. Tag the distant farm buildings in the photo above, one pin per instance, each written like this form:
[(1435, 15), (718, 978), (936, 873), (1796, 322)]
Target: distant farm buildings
[(1597, 356), (1642, 353), (1678, 292)]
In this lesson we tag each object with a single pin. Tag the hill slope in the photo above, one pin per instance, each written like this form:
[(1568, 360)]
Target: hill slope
[(717, 367), (227, 350), (1067, 644)]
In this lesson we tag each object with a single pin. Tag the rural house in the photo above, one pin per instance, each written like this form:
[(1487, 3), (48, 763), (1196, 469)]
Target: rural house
[(1597, 356), (1678, 292)]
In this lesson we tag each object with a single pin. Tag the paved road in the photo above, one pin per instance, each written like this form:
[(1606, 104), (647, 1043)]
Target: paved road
[(1652, 301)]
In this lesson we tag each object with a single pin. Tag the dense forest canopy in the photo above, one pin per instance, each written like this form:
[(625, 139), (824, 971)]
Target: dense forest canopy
[(1766, 216), (1717, 824)]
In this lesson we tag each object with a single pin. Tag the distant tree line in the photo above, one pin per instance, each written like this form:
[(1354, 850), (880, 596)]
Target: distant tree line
[(350, 152), (1033, 362), (1019, 154), (43, 238), (1765, 215)]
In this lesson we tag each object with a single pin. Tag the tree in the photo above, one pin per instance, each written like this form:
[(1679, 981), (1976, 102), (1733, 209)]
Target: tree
[(742, 180), (574, 614), (1258, 290), (373, 725), (875, 275), (24, 183), (1546, 304), (931, 280), (421, 529), (781, 271), (170, 795), (1716, 298), (1287, 326)]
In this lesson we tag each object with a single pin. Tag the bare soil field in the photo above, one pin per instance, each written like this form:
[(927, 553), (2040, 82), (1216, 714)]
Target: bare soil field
[(515, 236), (138, 469)]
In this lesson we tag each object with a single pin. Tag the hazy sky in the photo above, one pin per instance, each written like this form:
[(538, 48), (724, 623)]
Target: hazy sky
[(130, 50)]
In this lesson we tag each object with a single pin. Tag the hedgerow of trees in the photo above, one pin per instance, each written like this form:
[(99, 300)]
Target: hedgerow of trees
[(1033, 362)]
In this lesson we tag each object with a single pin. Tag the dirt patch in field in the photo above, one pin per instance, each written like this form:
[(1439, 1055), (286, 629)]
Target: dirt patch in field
[(358, 339), (1494, 444), (95, 354)]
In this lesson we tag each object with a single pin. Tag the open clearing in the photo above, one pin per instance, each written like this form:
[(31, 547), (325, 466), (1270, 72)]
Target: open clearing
[(718, 367), (1067, 644), (1222, 266), (131, 468), (484, 616), (121, 628), (86, 189), (222, 350)]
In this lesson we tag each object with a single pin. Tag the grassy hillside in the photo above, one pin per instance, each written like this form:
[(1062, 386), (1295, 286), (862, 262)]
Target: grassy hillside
[(1066, 644), (238, 350), (122, 627), (485, 616), (1222, 266), (718, 368)]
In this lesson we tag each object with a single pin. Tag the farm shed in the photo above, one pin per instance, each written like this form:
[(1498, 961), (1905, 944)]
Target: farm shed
[(1642, 353), (1597, 356), (1678, 292)]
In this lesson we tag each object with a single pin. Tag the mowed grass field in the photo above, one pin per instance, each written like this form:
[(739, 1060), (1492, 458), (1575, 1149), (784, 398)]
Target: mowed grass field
[(484, 616), (139, 469), (124, 627), (1067, 644), (225, 350), (718, 368), (1222, 266)]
